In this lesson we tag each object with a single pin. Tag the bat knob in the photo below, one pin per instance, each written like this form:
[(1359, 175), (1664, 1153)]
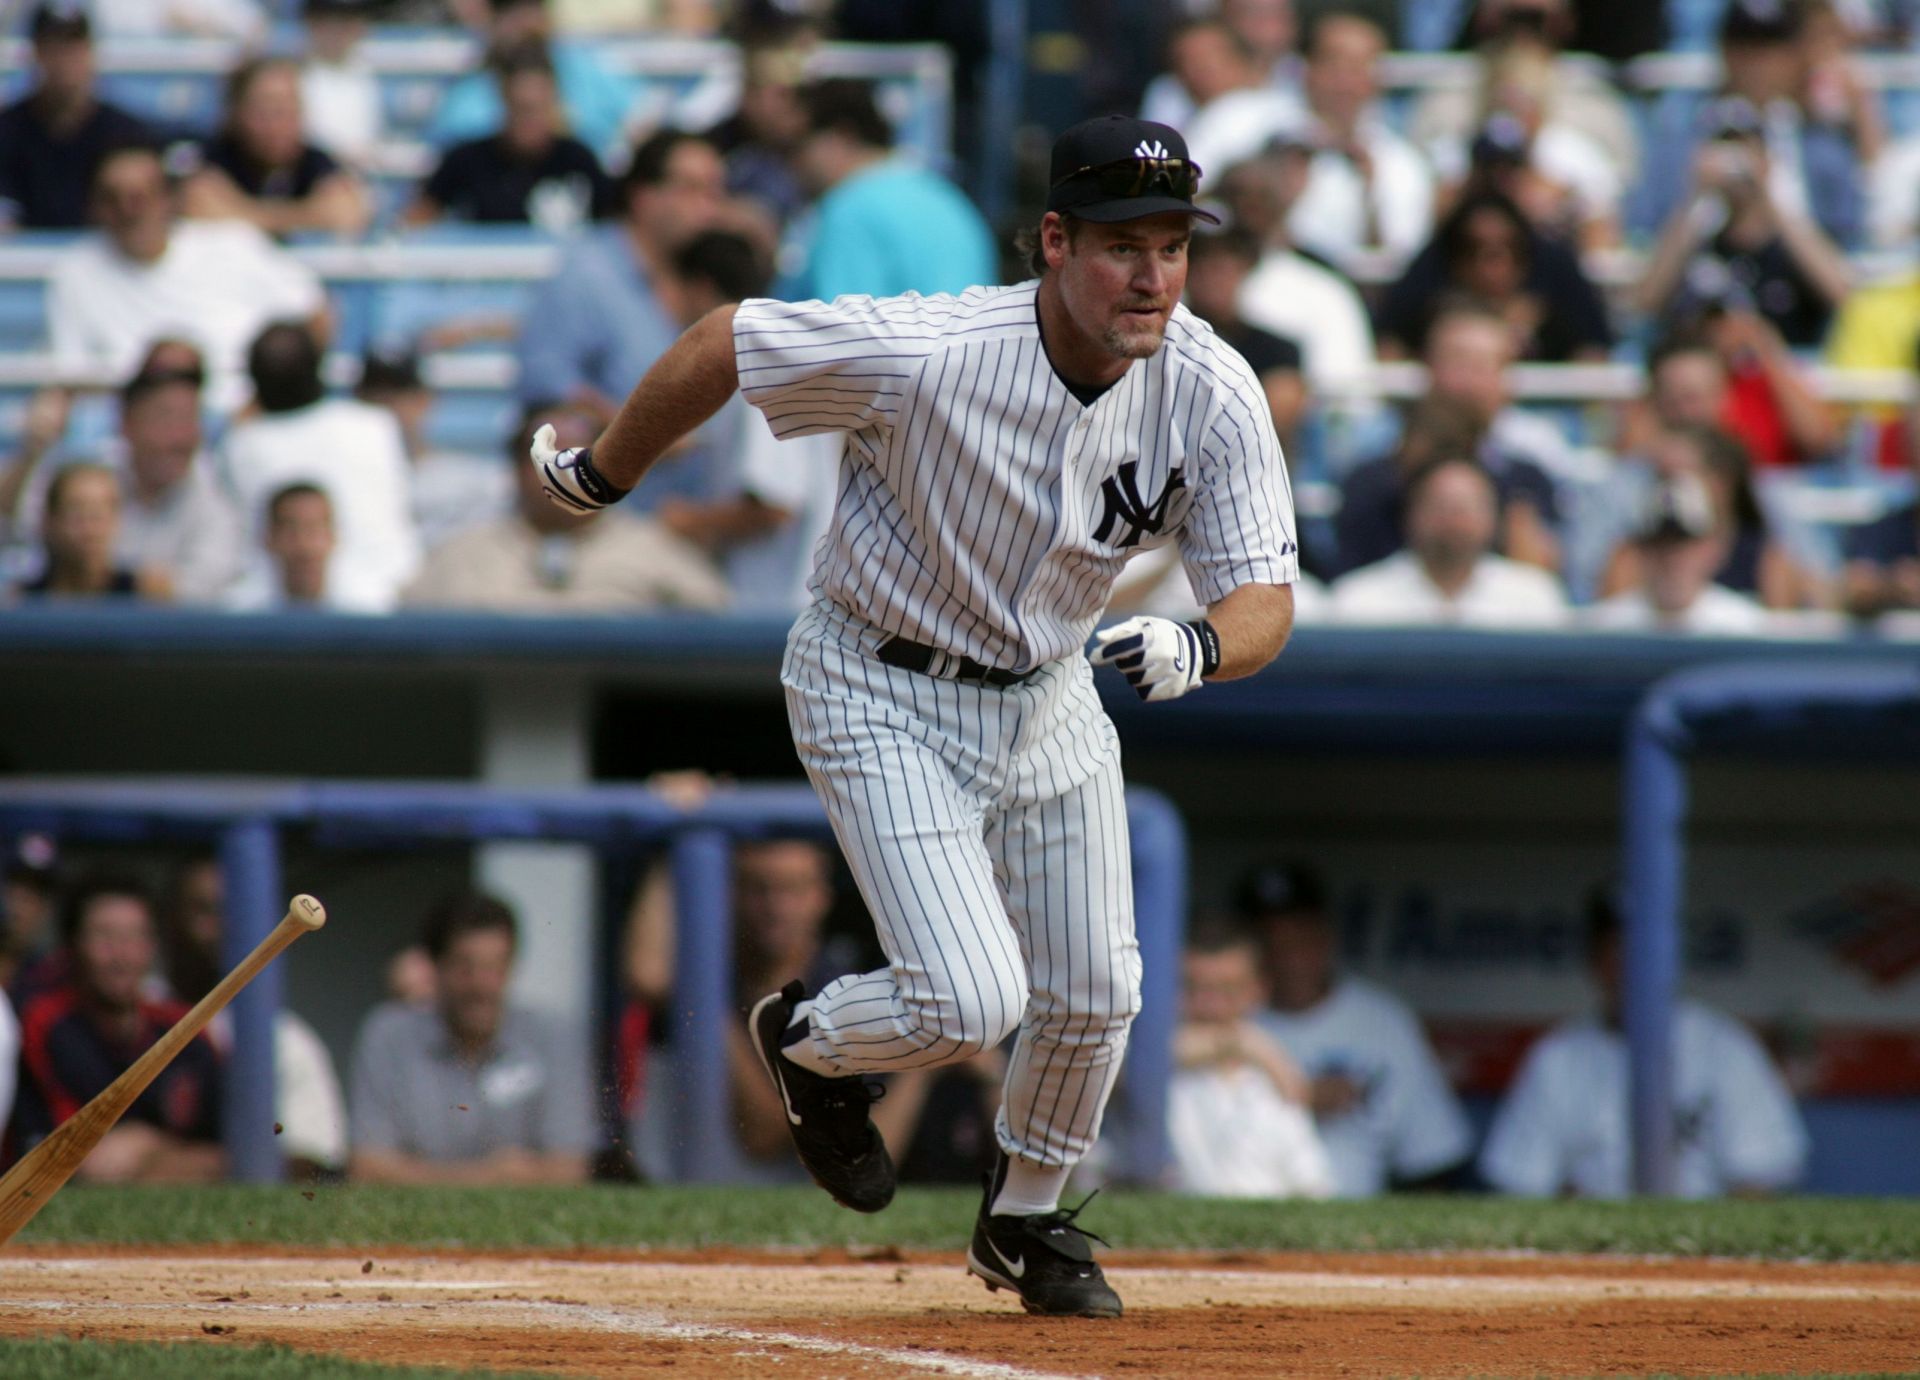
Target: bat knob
[(308, 912)]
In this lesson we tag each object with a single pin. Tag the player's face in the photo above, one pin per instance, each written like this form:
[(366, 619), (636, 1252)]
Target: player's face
[(473, 976), (1119, 283), (115, 947)]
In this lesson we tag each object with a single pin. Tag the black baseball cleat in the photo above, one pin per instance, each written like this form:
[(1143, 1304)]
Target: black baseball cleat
[(836, 1139), (1045, 1259)]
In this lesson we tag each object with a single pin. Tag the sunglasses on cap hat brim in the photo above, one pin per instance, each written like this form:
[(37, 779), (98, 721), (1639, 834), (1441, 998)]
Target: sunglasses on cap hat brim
[(1136, 177)]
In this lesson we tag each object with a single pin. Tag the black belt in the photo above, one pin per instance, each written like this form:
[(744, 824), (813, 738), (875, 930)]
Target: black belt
[(931, 661)]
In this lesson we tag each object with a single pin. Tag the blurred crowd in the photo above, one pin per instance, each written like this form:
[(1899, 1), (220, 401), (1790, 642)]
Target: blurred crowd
[(1293, 1077), (1468, 227)]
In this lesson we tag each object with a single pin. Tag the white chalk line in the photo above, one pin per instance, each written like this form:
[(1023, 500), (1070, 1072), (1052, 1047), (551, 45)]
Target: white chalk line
[(626, 1321), (393, 1276)]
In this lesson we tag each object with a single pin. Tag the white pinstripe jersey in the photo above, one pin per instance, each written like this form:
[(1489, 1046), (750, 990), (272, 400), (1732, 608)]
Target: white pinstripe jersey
[(983, 509)]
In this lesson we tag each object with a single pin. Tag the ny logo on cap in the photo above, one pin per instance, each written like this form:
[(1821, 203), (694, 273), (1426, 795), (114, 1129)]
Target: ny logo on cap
[(1154, 150)]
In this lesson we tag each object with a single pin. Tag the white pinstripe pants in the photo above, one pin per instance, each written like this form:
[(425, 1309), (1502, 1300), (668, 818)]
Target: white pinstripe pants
[(987, 831)]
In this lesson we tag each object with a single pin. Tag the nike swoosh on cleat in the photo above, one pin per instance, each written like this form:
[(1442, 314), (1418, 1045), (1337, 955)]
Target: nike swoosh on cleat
[(781, 1084), (1016, 1268)]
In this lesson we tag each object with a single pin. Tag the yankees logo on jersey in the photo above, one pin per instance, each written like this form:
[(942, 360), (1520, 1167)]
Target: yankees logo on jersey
[(983, 508), (1123, 504)]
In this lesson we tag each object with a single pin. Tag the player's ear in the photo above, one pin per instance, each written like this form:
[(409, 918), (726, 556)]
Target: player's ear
[(1054, 238)]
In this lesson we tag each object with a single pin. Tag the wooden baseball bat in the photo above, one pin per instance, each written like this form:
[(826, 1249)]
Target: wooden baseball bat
[(38, 1176)]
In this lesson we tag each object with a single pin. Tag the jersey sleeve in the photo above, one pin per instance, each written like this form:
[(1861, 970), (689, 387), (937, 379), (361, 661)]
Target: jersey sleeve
[(844, 365), (1240, 528)]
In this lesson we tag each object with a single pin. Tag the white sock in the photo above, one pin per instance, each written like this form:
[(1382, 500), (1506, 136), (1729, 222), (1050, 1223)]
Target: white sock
[(1030, 1188), (803, 1051)]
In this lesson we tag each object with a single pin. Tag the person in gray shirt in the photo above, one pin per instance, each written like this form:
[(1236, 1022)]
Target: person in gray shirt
[(469, 1090)]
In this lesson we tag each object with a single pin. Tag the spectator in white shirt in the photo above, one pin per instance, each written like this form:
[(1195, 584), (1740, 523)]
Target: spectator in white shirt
[(1680, 544), (1236, 109), (338, 89), (1289, 294), (1368, 188), (348, 449), (147, 275), (174, 515), (1448, 574), (297, 554), (1563, 1128), (1266, 30), (1236, 1113), (1383, 1107)]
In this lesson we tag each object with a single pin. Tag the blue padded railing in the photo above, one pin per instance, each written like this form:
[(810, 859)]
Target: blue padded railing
[(1820, 709), (246, 819)]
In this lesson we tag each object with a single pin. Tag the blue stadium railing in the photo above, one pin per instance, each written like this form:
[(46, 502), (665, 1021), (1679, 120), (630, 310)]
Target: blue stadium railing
[(246, 819)]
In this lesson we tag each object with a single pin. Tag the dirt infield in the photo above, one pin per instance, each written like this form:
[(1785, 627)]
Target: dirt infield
[(737, 1314)]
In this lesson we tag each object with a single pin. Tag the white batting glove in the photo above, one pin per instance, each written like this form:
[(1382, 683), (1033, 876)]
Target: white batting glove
[(569, 477), (1161, 659)]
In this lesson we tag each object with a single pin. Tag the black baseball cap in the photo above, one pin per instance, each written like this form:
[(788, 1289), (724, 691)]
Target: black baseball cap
[(59, 19), (1114, 167), (1762, 21), (1280, 889)]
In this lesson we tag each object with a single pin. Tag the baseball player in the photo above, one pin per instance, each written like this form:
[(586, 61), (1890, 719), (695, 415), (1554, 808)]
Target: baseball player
[(1004, 452)]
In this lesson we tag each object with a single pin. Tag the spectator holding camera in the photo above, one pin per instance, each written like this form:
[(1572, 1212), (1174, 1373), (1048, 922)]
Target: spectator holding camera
[(1581, 130), (1737, 247), (1558, 175)]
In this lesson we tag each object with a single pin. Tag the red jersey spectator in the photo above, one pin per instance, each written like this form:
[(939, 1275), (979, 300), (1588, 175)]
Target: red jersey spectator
[(80, 1036)]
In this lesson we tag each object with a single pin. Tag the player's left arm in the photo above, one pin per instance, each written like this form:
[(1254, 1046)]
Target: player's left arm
[(1252, 624)]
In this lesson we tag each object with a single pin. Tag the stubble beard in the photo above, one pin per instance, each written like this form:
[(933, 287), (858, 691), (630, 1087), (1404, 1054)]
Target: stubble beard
[(1138, 344)]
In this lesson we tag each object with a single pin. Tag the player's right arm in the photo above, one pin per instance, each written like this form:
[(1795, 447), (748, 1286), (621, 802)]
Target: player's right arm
[(685, 386), (810, 367)]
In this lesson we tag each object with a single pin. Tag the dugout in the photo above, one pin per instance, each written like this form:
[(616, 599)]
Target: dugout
[(1460, 789)]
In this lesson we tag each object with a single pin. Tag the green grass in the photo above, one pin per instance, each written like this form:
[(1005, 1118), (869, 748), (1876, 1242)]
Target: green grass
[(59, 1358), (359, 1218)]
